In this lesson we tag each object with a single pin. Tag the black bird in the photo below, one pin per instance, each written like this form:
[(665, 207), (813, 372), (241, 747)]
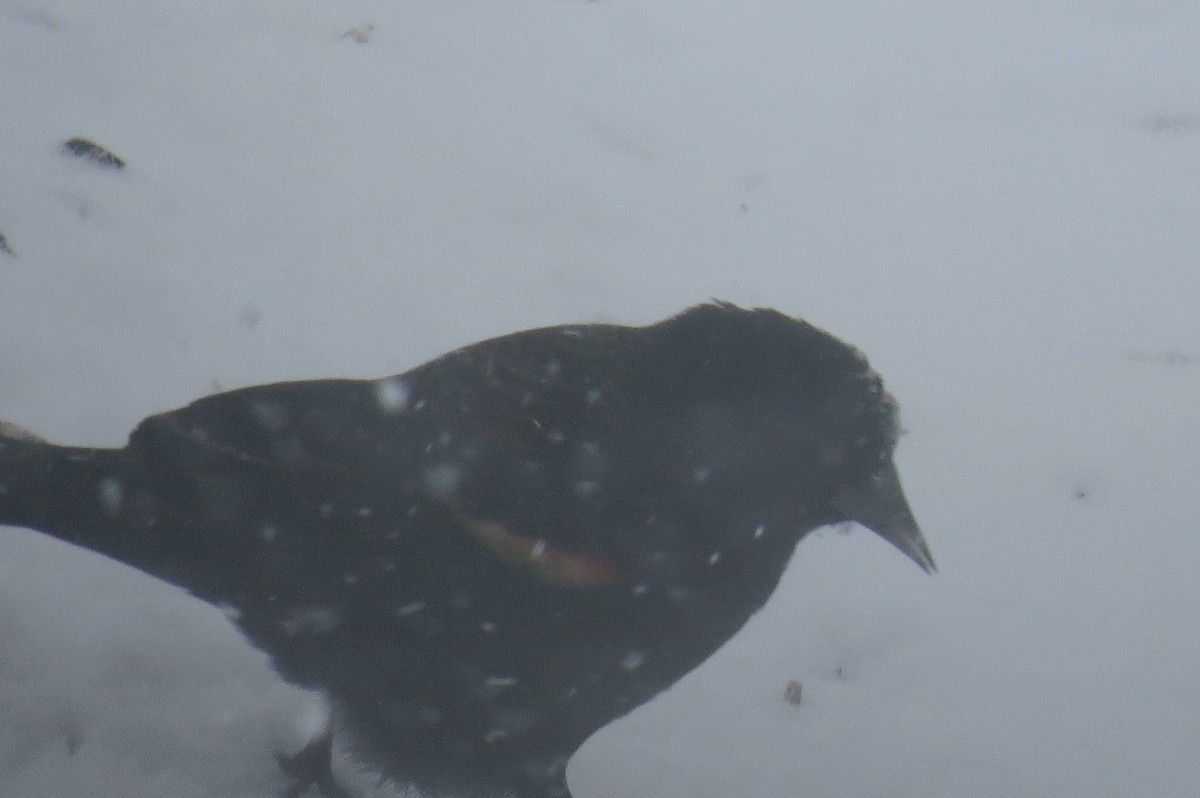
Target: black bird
[(484, 560)]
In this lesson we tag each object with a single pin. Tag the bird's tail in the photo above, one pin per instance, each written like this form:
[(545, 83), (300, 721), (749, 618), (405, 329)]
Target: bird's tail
[(109, 501), (69, 492)]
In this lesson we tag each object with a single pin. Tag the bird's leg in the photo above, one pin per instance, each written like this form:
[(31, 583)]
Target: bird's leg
[(312, 766)]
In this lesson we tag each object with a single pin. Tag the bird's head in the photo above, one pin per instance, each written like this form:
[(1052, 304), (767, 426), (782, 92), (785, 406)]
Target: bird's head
[(783, 418)]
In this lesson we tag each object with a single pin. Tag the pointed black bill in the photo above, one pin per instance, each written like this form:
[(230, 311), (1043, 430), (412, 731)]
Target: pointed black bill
[(878, 503)]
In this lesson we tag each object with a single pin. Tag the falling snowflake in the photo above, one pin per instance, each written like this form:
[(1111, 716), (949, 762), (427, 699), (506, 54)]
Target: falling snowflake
[(392, 395), (112, 493)]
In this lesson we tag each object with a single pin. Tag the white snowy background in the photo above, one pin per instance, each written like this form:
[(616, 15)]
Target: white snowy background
[(998, 202)]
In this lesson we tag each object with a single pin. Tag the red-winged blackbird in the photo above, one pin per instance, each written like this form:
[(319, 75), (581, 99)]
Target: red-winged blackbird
[(484, 560)]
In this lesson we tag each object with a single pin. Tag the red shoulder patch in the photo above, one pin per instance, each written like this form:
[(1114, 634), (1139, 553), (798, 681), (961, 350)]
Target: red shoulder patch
[(554, 566)]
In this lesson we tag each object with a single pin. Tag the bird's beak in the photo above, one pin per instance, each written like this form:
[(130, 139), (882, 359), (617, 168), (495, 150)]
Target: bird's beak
[(878, 503)]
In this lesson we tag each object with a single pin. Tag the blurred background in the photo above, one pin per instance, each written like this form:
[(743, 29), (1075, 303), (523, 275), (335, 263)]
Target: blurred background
[(998, 203)]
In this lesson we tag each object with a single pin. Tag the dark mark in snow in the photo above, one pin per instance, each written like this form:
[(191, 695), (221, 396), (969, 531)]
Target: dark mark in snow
[(361, 34), (1174, 122), (794, 692), (86, 148), (1166, 357)]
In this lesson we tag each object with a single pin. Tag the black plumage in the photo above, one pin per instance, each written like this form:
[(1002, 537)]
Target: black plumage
[(484, 560)]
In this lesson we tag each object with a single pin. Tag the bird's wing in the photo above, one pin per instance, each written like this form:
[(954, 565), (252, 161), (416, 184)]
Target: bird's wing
[(523, 444)]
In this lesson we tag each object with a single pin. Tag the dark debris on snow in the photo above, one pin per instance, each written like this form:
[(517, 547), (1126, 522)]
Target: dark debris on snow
[(86, 148)]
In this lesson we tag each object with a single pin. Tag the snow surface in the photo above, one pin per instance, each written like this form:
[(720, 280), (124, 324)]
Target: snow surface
[(998, 202)]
